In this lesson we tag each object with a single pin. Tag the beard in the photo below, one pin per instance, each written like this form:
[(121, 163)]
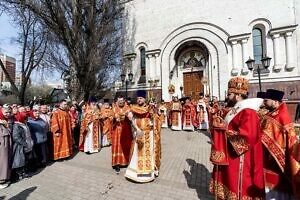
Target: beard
[(231, 102), (140, 103), (270, 108)]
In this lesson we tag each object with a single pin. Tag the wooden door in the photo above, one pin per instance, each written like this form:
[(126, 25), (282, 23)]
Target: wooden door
[(192, 85)]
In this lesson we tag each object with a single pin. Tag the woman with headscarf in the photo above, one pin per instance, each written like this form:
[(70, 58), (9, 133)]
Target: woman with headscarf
[(38, 130), (5, 146), (22, 145)]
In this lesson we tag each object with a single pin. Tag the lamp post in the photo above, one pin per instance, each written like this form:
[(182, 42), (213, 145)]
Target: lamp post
[(126, 81), (265, 64), (181, 89)]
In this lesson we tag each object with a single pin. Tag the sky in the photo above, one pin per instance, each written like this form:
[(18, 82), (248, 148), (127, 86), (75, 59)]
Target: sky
[(7, 32)]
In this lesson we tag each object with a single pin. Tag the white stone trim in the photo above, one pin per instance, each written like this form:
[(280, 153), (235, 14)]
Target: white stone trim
[(283, 29), (239, 37), (276, 49), (234, 41), (275, 79), (290, 65)]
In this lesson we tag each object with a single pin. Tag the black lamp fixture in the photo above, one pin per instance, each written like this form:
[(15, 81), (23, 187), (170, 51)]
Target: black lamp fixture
[(250, 63), (124, 80), (181, 89), (171, 74), (265, 64), (123, 76), (130, 76)]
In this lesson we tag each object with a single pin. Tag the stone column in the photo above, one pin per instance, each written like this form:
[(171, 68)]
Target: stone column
[(152, 67), (234, 70), (289, 51), (149, 66), (156, 67), (245, 55), (277, 64)]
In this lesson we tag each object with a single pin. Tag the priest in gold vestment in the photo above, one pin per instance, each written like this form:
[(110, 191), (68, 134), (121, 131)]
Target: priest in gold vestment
[(145, 159)]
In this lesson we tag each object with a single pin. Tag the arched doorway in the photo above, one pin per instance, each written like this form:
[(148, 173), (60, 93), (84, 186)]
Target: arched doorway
[(191, 61)]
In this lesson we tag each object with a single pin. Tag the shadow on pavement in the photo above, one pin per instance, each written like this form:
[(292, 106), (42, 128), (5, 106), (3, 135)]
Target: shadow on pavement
[(2, 197), (24, 194), (198, 178), (206, 133), (75, 152)]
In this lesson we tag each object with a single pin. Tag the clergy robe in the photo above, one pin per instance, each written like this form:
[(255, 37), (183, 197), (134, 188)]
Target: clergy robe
[(63, 144), (176, 123), (189, 117), (238, 162), (145, 160), (90, 132), (162, 111), (121, 137), (282, 170), (106, 116), (202, 115)]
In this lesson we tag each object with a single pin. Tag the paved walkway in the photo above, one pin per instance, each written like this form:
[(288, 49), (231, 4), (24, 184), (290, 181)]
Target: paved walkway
[(184, 174)]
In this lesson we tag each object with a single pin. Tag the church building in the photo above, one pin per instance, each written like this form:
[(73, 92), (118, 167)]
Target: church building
[(181, 48)]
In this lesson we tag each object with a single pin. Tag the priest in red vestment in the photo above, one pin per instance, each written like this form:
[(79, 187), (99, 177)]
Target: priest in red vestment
[(282, 170), (189, 115), (175, 114), (237, 152), (162, 112), (121, 137), (61, 127), (106, 115)]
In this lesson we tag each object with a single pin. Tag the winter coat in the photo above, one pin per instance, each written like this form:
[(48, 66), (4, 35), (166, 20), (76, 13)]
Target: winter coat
[(19, 144), (5, 151), (38, 130)]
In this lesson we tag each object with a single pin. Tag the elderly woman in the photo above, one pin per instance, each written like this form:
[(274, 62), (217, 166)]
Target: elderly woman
[(38, 130), (22, 144), (5, 146)]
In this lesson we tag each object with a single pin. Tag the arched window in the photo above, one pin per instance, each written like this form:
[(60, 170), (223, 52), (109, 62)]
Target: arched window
[(258, 44), (143, 61), (142, 65)]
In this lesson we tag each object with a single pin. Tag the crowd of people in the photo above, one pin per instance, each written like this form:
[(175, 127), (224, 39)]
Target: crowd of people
[(252, 139), (30, 137)]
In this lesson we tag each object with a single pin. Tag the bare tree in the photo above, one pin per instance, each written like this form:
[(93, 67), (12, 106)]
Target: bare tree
[(33, 42), (89, 31)]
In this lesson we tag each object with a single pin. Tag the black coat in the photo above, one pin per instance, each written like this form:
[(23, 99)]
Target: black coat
[(19, 143)]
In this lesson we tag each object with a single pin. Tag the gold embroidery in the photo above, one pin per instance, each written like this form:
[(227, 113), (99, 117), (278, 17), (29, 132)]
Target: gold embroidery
[(144, 154), (222, 192), (276, 152), (217, 156), (239, 144)]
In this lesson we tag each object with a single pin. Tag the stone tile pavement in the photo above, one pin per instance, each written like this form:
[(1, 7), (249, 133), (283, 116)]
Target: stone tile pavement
[(185, 173)]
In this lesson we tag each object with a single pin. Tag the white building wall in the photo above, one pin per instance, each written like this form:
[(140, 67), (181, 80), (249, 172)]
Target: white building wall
[(164, 25)]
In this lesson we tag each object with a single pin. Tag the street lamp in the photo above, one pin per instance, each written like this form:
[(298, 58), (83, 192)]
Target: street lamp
[(126, 81), (265, 63), (181, 88)]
